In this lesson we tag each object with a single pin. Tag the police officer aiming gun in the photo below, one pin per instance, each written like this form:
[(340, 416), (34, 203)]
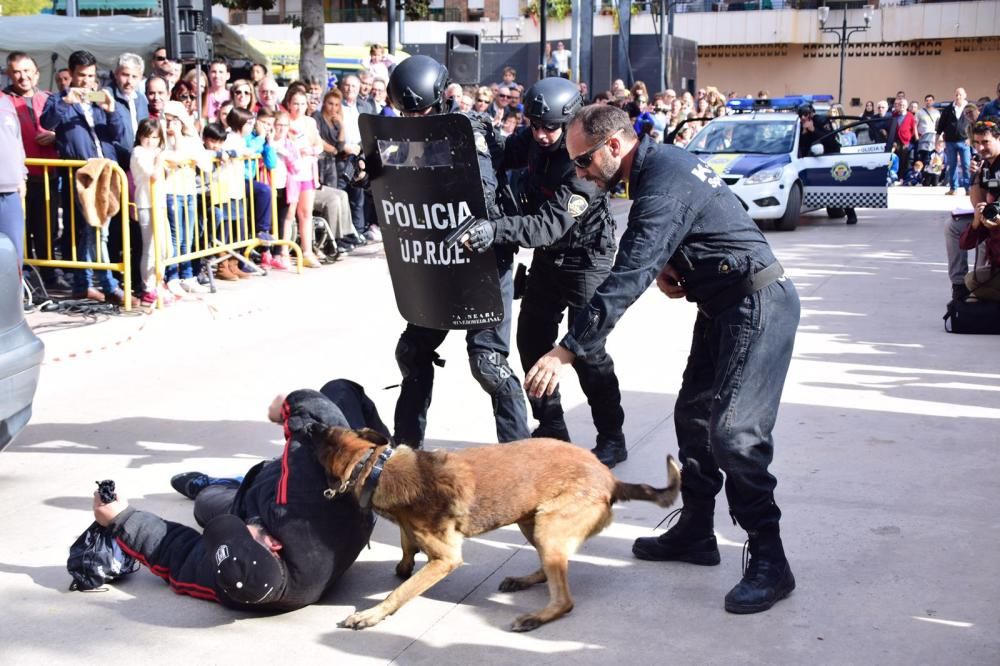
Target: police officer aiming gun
[(690, 234), (416, 88), (569, 221)]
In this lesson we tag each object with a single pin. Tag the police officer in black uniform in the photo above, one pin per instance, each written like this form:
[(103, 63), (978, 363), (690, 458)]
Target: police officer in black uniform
[(569, 222), (816, 128), (689, 233), (416, 88)]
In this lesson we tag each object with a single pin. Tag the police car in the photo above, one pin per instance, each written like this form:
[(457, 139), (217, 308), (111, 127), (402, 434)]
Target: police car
[(755, 150)]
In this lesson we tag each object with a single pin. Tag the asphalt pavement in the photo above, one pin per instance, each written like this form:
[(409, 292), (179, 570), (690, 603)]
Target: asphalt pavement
[(884, 460)]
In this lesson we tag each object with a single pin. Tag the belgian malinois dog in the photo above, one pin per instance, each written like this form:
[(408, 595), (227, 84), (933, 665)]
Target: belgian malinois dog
[(558, 494)]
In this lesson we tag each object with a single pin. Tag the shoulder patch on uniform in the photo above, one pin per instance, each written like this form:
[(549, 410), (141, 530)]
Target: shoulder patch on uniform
[(576, 205), (481, 144)]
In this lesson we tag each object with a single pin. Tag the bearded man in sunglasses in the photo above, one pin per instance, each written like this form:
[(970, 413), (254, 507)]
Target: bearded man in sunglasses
[(689, 233), (568, 221)]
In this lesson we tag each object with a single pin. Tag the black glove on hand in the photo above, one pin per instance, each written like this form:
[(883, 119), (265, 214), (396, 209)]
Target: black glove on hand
[(482, 235)]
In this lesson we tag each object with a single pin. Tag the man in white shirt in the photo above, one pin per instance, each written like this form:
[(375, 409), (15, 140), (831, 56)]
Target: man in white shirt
[(562, 56)]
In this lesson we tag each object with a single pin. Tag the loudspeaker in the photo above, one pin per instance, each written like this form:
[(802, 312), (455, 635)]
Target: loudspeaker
[(461, 53), (187, 29)]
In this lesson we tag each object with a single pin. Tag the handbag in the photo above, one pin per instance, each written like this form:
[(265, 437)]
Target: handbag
[(95, 558), (972, 316)]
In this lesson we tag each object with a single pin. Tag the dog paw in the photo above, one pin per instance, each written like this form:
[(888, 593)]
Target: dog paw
[(404, 570), (362, 619), (526, 623), (512, 584)]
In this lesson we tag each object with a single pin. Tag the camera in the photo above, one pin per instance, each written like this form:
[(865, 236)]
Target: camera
[(991, 213)]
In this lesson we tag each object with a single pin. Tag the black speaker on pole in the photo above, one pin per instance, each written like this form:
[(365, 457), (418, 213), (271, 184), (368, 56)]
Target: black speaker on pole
[(187, 28), (462, 52)]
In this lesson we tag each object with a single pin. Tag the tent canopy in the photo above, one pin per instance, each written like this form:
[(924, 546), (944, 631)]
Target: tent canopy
[(50, 39)]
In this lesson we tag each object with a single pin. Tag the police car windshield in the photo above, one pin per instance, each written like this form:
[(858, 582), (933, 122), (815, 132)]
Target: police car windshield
[(770, 137)]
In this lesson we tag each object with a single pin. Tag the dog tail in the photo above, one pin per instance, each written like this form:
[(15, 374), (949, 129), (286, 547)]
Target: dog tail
[(640, 491)]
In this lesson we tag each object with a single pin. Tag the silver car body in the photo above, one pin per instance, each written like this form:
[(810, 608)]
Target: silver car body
[(21, 352)]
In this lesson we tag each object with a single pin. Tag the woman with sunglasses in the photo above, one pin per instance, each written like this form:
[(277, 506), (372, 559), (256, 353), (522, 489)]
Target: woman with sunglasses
[(184, 93), (242, 95)]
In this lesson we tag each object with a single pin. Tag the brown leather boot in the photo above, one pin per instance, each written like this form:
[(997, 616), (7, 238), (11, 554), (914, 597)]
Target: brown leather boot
[(234, 266)]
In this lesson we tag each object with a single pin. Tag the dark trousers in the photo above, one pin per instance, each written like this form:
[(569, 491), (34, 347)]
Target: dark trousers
[(488, 348), (552, 289), (261, 204), (42, 222), (356, 199), (728, 402), (902, 151)]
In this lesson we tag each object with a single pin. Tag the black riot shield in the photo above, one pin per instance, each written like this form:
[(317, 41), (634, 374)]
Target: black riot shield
[(424, 176)]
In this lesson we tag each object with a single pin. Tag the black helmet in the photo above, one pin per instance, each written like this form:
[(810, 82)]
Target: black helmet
[(552, 101), (417, 83), (806, 110)]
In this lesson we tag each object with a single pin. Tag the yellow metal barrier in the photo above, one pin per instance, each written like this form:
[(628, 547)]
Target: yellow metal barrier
[(70, 224), (204, 212)]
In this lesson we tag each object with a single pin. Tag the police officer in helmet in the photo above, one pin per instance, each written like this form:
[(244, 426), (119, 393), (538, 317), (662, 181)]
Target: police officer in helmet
[(416, 88), (568, 221)]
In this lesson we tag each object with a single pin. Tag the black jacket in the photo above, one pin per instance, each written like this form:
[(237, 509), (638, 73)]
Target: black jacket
[(321, 538), (561, 213), (682, 213)]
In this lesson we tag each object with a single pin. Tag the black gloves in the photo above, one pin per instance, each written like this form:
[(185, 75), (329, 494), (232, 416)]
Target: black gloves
[(481, 236)]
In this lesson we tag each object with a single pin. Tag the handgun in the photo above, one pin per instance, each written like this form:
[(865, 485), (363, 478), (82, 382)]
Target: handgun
[(463, 228)]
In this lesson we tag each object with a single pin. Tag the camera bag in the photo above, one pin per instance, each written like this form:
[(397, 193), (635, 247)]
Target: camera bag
[(972, 316)]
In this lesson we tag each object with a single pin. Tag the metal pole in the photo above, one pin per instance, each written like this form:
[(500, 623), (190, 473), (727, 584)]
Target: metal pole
[(390, 19), (401, 19), (574, 68), (663, 45), (71, 8), (543, 12), (843, 49)]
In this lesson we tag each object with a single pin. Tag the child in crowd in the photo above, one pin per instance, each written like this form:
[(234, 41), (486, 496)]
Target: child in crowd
[(510, 124), (223, 113), (146, 168), (183, 153), (250, 149), (287, 159), (226, 190), (915, 176), (893, 175), (301, 185), (937, 166)]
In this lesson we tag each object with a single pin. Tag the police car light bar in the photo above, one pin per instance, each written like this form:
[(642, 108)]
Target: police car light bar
[(786, 103)]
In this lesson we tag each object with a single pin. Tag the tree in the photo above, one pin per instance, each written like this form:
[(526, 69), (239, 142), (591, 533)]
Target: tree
[(312, 60)]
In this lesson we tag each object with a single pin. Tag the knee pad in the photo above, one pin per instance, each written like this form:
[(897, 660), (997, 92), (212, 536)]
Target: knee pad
[(492, 372)]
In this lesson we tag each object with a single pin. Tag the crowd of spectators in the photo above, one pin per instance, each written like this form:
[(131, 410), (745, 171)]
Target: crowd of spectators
[(194, 122)]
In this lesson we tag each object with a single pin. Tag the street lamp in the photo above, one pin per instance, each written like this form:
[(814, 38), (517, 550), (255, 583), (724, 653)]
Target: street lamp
[(843, 34)]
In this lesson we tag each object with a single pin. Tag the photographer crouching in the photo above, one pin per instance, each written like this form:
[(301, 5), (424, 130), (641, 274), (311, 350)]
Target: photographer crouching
[(983, 282)]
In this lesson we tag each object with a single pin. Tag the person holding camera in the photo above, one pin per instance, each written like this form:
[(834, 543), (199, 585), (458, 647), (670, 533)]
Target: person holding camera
[(983, 282), (87, 127)]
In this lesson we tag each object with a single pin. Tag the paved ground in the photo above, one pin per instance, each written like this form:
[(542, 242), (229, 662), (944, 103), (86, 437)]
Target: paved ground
[(885, 447)]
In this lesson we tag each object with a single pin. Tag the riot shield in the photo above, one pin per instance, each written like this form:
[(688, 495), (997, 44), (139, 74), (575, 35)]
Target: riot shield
[(424, 176)]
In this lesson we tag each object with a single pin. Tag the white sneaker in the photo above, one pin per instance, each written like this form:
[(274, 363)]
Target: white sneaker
[(175, 288), (192, 286), (373, 234)]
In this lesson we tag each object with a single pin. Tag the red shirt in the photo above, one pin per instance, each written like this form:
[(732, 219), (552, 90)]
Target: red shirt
[(29, 113), (907, 129)]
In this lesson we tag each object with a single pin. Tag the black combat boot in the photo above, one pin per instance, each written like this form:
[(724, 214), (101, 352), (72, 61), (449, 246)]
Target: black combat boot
[(610, 450), (767, 578), (691, 539)]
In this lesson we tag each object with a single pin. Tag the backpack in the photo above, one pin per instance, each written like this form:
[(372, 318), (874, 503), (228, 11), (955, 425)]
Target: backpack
[(972, 316)]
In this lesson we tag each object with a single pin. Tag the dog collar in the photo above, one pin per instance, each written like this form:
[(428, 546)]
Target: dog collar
[(371, 483)]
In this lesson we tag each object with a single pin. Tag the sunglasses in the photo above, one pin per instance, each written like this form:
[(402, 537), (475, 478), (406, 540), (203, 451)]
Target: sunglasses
[(184, 98), (503, 96), (548, 127), (241, 92), (160, 58), (485, 100), (985, 124), (584, 160)]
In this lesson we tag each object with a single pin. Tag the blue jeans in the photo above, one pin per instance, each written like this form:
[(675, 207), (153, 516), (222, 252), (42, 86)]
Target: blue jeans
[(261, 204), (728, 402), (181, 217), (958, 176), (86, 243), (488, 348)]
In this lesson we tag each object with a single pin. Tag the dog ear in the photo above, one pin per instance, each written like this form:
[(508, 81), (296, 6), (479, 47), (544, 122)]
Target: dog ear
[(372, 436)]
